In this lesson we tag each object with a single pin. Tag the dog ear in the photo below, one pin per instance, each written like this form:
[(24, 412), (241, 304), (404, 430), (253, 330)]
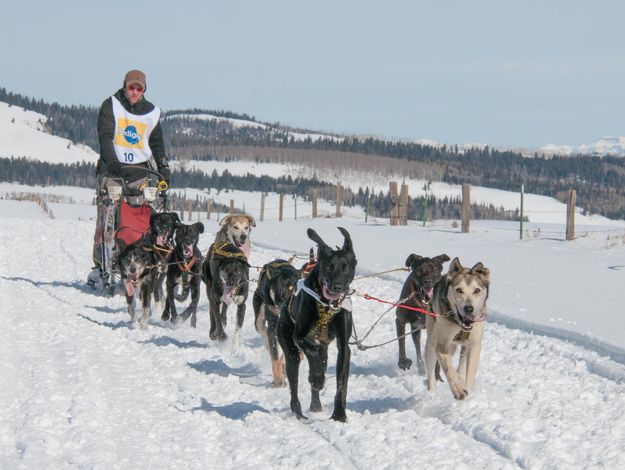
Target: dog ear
[(440, 259), (251, 220), (317, 239), (152, 216), (348, 247), (200, 227), (412, 258), (225, 220), (176, 217), (481, 271), (455, 267)]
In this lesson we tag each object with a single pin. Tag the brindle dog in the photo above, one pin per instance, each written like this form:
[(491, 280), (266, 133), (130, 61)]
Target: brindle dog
[(276, 284), (417, 292), (316, 316), (159, 240), (185, 269)]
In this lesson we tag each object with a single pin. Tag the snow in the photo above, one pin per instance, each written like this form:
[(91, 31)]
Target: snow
[(82, 389), (22, 134)]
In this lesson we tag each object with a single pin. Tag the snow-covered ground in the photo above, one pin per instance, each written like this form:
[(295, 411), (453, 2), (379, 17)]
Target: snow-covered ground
[(82, 390)]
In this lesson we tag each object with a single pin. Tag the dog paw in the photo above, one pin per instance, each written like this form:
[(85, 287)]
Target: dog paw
[(278, 383), (339, 416), (143, 325), (404, 364), (461, 394), (315, 406)]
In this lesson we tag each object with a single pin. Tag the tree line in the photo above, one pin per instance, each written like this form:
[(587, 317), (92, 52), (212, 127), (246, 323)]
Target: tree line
[(598, 181), (82, 174)]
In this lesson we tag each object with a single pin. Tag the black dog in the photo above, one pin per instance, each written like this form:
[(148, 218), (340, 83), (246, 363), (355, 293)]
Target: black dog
[(136, 267), (417, 292), (226, 274), (276, 284), (185, 269), (314, 317), (159, 239)]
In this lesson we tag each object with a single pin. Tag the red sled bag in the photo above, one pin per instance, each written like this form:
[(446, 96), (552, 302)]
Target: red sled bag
[(133, 223)]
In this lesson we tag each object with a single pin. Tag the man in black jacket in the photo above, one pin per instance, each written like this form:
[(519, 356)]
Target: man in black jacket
[(131, 141)]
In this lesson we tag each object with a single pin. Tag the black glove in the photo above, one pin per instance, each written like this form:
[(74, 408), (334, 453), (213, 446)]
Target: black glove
[(165, 173), (114, 168)]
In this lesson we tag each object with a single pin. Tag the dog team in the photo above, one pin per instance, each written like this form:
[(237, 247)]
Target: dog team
[(302, 311)]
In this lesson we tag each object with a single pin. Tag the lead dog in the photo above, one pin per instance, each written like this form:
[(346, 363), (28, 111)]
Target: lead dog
[(313, 318), (235, 229), (226, 274), (276, 284), (136, 267), (417, 292), (460, 303), (184, 270)]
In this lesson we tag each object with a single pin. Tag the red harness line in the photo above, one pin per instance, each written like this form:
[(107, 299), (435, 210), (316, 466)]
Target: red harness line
[(416, 309)]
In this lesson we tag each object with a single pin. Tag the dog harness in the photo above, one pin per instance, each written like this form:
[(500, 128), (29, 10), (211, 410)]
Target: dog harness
[(218, 248), (320, 331), (185, 266)]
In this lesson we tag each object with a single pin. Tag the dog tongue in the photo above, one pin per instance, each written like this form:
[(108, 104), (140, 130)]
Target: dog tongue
[(227, 295), (160, 240), (130, 288), (329, 296), (187, 250)]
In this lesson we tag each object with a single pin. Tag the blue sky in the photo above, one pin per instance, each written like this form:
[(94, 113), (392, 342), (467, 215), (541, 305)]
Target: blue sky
[(498, 72)]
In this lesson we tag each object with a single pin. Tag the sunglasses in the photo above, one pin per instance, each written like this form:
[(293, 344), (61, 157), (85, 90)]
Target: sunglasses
[(134, 87)]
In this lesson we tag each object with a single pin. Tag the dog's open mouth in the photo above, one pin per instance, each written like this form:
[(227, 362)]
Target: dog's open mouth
[(163, 239), (333, 299), (425, 294), (187, 250)]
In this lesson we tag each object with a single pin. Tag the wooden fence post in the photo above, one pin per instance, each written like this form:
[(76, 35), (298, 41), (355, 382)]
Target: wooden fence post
[(314, 202), (394, 203), (570, 216), (232, 206), (522, 202), (338, 199), (403, 205), (281, 214), (190, 207), (209, 208), (466, 207), (262, 207)]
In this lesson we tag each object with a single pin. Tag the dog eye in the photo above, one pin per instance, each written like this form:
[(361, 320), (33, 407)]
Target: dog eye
[(458, 290), (477, 290)]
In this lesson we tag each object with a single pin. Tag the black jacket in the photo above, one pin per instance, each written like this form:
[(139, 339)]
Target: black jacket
[(106, 131)]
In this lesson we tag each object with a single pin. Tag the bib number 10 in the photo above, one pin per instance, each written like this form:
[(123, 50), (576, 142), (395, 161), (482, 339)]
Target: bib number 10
[(129, 157)]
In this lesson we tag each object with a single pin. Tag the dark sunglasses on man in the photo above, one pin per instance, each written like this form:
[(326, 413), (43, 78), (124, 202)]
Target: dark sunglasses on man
[(134, 87)]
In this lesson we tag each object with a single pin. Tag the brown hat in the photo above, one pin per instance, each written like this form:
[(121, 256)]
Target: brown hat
[(135, 76)]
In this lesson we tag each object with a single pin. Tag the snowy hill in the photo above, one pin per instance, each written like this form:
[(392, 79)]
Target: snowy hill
[(22, 134)]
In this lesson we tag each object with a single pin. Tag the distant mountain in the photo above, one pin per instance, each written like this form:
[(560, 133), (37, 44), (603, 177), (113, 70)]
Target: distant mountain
[(605, 146)]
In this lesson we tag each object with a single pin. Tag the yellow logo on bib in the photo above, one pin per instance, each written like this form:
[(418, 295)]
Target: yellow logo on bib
[(129, 133)]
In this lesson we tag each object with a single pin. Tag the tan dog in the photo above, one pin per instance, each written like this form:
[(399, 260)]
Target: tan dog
[(459, 299), (235, 229)]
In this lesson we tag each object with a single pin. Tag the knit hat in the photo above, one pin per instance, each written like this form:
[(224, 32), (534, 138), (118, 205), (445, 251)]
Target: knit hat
[(135, 76)]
